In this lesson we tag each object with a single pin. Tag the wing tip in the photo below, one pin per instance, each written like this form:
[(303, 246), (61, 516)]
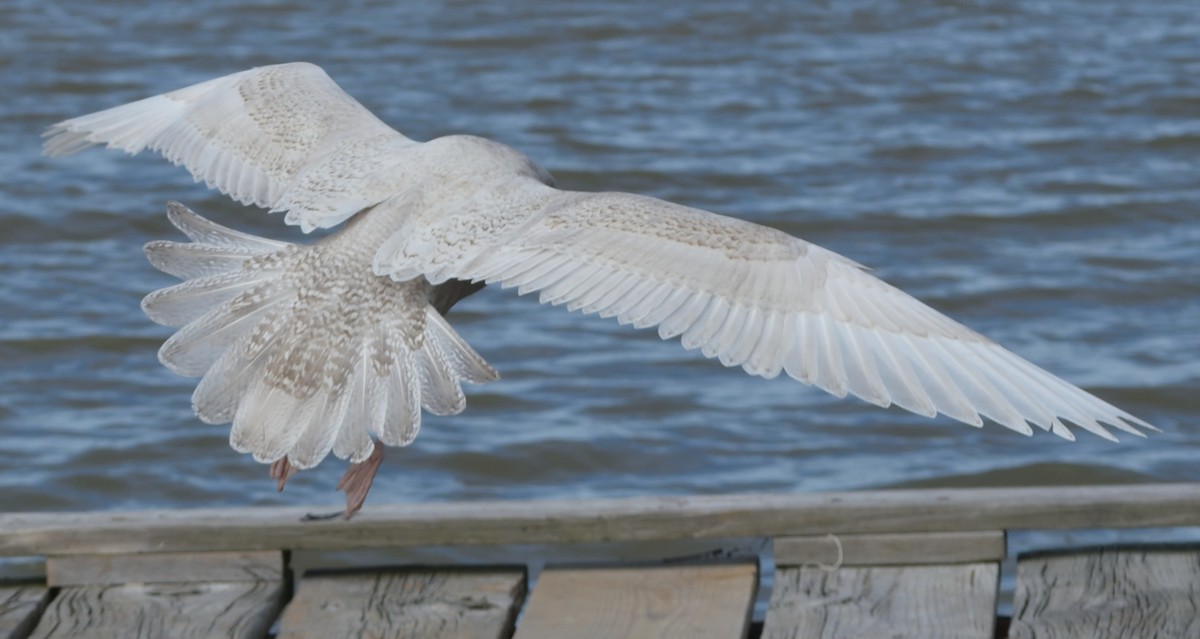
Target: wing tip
[(61, 139)]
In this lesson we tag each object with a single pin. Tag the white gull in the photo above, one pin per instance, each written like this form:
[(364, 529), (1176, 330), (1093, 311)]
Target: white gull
[(312, 349)]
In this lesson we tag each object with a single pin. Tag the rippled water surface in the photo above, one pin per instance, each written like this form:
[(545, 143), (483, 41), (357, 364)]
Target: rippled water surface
[(1029, 168)]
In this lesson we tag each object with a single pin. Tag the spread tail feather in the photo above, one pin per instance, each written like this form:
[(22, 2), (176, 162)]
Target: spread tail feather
[(304, 357)]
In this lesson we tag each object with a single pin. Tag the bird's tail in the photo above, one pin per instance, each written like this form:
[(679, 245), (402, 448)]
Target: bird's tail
[(302, 349)]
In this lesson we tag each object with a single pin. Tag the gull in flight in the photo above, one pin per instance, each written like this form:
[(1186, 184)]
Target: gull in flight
[(337, 345)]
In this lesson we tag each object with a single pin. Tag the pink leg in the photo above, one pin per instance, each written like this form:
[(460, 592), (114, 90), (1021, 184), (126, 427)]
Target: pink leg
[(282, 470), (357, 480)]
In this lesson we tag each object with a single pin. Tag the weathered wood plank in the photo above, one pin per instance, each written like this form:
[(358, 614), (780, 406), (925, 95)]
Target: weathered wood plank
[(20, 607), (79, 570), (903, 549), (1113, 593), (417, 604), (930, 602), (634, 519), (152, 611), (688, 602)]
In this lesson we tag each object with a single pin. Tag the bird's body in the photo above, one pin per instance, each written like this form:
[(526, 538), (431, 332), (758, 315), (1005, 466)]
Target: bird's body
[(318, 348)]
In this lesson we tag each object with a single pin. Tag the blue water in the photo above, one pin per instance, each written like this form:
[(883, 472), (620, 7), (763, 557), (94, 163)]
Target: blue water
[(1029, 168)]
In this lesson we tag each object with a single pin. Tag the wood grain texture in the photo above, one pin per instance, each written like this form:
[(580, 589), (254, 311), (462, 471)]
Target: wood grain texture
[(631, 519), (418, 604), (79, 570), (931, 602), (904, 549), (153, 611), (685, 602), (20, 607), (1134, 593)]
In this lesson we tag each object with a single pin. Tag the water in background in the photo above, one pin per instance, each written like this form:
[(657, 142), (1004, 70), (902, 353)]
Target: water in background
[(1029, 168)]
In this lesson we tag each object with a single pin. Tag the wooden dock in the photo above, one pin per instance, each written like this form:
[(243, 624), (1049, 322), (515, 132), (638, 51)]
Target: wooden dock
[(911, 563)]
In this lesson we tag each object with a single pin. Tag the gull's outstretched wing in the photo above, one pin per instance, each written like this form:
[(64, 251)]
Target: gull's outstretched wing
[(753, 297), (282, 137)]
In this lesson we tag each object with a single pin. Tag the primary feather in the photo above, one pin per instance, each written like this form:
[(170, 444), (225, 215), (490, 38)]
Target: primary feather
[(311, 349)]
